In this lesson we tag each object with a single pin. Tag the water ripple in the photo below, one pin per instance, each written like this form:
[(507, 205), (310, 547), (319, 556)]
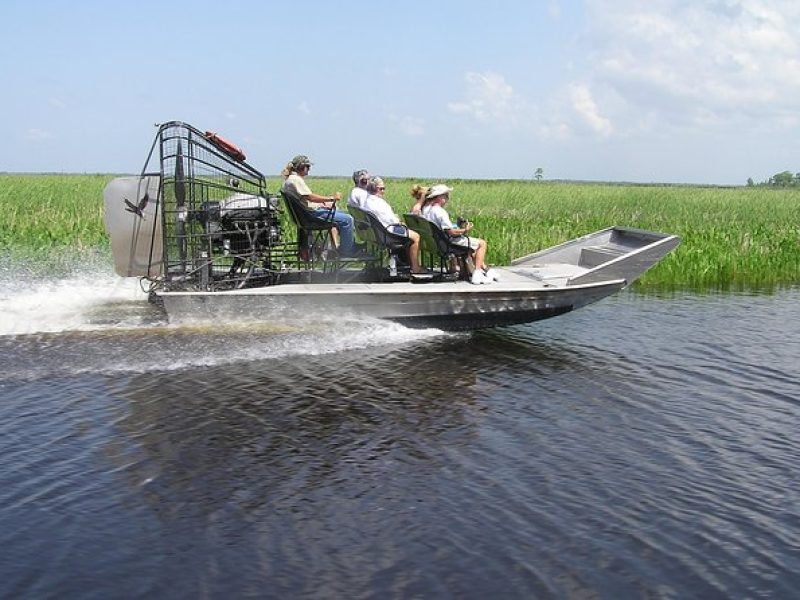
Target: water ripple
[(587, 456)]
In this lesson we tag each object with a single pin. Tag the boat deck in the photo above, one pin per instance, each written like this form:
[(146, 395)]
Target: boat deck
[(552, 274)]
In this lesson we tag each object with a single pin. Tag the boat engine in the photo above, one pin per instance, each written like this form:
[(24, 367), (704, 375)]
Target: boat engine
[(242, 223), (197, 218)]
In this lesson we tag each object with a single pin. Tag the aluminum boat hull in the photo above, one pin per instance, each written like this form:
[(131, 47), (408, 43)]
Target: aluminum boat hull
[(450, 306), (543, 285)]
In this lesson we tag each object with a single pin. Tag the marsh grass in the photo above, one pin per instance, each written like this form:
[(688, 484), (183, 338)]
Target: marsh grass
[(732, 238), (41, 212)]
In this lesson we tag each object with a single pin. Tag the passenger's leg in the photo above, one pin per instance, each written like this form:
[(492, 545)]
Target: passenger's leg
[(344, 223), (324, 213), (413, 252), (480, 255)]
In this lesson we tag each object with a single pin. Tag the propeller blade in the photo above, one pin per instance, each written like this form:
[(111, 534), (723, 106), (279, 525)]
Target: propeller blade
[(180, 200), (180, 177)]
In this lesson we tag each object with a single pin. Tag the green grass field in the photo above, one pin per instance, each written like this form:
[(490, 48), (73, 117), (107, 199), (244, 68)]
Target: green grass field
[(733, 238)]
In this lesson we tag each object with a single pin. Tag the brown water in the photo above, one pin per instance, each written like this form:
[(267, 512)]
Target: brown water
[(640, 447)]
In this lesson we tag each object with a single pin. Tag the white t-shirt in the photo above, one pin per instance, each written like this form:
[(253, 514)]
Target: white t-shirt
[(381, 209), (357, 197), (437, 215)]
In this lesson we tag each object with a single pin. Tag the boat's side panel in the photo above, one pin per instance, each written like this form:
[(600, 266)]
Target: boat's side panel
[(448, 309), (467, 322)]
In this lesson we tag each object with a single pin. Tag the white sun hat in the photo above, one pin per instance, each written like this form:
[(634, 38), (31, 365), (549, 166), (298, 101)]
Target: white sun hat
[(438, 190)]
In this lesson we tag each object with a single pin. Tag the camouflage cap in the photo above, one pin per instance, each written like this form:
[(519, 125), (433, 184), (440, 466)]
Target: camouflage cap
[(301, 160)]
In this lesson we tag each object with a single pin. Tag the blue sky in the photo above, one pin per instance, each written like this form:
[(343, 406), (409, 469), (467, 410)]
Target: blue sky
[(658, 91)]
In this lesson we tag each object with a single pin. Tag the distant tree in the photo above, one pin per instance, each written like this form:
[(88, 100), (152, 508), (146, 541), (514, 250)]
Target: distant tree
[(538, 173), (783, 179)]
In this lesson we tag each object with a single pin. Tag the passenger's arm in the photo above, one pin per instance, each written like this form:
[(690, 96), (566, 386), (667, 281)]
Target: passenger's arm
[(325, 201), (456, 231)]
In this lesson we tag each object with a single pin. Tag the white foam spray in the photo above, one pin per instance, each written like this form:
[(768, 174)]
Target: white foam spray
[(68, 304), (95, 321)]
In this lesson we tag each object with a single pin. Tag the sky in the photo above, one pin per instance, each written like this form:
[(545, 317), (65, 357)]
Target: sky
[(650, 91)]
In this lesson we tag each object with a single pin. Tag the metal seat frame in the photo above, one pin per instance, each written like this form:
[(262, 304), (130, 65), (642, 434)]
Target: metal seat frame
[(314, 231)]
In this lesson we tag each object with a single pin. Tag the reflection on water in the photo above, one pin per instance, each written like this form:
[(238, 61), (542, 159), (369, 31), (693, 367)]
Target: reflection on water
[(643, 446)]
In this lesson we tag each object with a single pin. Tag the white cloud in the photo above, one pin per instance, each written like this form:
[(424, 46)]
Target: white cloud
[(410, 126), (693, 64), (585, 107), (656, 68), (304, 108), (37, 135), (490, 100), (56, 103)]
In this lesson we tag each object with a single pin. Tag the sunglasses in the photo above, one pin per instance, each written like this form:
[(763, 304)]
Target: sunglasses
[(363, 180), (380, 189)]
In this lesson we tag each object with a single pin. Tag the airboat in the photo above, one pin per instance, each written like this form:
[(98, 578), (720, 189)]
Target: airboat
[(200, 228)]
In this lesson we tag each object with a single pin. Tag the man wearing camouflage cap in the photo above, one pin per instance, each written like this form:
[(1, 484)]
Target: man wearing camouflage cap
[(295, 184)]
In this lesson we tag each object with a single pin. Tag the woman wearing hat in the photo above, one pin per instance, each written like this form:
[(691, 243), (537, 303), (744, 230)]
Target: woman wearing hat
[(433, 210), (294, 173)]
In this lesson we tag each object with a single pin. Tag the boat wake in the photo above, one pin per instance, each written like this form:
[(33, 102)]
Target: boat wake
[(79, 302), (96, 322)]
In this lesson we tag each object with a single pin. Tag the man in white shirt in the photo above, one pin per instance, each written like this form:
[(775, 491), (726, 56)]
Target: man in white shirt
[(359, 193), (375, 204)]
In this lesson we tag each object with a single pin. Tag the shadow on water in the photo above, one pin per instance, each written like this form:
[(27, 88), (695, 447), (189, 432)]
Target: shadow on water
[(365, 408), (329, 460)]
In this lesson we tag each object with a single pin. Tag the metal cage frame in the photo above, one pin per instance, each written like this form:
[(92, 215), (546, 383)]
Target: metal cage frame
[(221, 227)]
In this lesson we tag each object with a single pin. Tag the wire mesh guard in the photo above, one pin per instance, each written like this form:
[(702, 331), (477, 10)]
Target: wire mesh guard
[(221, 228)]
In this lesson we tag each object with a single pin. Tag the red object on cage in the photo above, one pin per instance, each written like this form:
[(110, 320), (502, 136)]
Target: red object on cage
[(227, 147)]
